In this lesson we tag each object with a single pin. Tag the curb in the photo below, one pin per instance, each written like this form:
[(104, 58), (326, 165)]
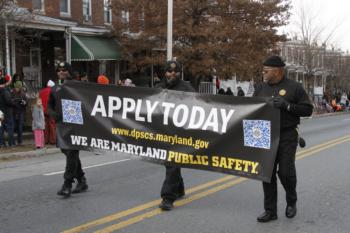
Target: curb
[(28, 154), (326, 114)]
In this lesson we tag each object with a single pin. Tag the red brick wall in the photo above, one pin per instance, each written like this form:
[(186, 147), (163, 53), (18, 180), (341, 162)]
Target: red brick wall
[(24, 3), (52, 9), (97, 12), (77, 10)]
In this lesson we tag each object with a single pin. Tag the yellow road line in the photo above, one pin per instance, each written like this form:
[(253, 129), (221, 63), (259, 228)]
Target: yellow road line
[(303, 155), (182, 202), (139, 208), (231, 181), (331, 142)]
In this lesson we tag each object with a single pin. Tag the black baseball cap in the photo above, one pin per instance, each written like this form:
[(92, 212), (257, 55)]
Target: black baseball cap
[(274, 61)]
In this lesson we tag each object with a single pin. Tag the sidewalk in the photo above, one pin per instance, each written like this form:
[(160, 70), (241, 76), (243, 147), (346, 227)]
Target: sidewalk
[(28, 149)]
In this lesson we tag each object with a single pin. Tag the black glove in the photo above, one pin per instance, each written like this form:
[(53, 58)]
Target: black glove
[(279, 102)]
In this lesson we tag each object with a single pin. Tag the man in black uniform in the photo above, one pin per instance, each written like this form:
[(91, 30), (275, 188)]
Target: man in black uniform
[(73, 168), (173, 186), (293, 102)]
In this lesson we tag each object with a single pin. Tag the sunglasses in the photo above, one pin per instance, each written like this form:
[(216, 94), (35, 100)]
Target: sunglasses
[(170, 71), (266, 70)]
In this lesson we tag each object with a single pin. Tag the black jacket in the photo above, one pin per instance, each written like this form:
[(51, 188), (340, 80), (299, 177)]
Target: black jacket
[(6, 103), (19, 100), (240, 92), (53, 109), (294, 93)]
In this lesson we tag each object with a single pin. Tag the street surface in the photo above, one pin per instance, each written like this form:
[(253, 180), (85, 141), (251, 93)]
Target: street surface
[(123, 193)]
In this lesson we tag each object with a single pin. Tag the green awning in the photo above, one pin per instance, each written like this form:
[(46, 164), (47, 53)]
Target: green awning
[(91, 48)]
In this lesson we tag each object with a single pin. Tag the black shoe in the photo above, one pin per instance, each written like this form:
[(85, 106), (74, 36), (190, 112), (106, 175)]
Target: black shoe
[(291, 211), (65, 191), (166, 204), (81, 186), (266, 217)]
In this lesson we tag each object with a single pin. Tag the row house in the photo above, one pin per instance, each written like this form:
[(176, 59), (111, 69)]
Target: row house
[(305, 64), (50, 31), (337, 65), (320, 70)]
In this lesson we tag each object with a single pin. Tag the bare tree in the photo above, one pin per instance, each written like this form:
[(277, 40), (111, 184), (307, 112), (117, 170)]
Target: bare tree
[(11, 14), (312, 40)]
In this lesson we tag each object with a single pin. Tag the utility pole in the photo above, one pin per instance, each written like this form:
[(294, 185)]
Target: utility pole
[(7, 47), (170, 31)]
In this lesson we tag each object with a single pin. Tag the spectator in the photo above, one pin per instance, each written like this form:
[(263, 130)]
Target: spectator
[(76, 76), (221, 91), (128, 83), (50, 124), (336, 107), (18, 78), (228, 91), (6, 106), (102, 79), (344, 100), (38, 123), (84, 77), (240, 91), (20, 104)]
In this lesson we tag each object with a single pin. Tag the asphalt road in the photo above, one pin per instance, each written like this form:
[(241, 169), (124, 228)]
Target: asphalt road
[(123, 193)]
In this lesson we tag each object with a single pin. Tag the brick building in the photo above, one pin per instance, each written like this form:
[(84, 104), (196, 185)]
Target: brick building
[(78, 31)]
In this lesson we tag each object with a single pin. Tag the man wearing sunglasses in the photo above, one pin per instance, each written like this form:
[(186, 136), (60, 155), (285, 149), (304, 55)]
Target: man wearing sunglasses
[(173, 185), (73, 169), (293, 102)]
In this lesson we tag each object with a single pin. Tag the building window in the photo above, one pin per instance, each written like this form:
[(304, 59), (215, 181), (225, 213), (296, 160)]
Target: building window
[(125, 16), (107, 12), (87, 10), (142, 15), (65, 7), (38, 5)]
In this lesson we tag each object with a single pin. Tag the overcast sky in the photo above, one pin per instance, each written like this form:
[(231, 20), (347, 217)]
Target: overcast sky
[(328, 14)]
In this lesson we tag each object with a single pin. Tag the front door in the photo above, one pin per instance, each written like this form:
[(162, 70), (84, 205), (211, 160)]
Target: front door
[(35, 65), (32, 73)]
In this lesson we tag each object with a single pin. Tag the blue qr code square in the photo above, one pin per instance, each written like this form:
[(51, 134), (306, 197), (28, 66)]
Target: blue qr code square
[(71, 111), (257, 133)]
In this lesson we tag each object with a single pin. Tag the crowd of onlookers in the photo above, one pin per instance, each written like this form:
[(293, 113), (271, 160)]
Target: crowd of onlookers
[(228, 91), (14, 107), (334, 103), (13, 104)]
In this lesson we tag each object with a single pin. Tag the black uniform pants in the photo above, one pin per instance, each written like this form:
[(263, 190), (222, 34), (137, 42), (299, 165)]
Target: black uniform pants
[(173, 185), (73, 166), (285, 162)]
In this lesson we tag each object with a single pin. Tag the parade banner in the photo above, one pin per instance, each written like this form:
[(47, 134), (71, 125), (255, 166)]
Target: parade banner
[(228, 134)]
